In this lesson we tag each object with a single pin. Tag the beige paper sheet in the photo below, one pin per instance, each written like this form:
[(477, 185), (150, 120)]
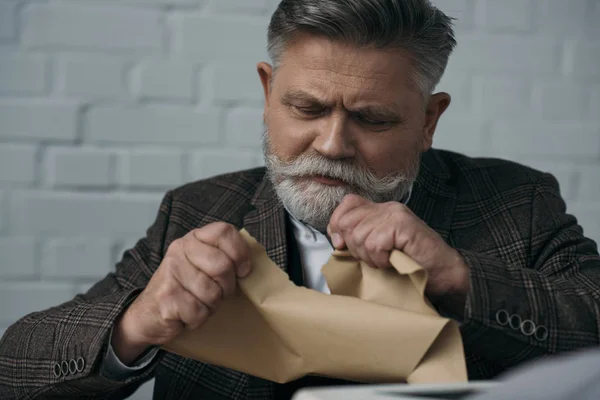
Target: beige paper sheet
[(376, 326)]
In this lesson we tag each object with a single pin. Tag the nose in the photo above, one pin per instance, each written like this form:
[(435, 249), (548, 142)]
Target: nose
[(334, 140)]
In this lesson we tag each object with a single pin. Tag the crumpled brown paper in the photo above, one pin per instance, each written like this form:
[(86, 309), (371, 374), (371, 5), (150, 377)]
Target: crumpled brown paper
[(376, 326)]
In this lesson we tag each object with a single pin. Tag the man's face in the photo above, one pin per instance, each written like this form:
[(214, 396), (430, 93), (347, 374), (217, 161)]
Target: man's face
[(341, 119)]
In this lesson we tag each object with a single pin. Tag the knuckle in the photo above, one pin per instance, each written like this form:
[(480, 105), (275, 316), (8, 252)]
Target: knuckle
[(209, 290), (223, 265), (371, 245), (175, 247), (199, 314), (167, 307), (351, 197), (357, 237), (343, 224), (222, 227), (239, 254), (213, 297)]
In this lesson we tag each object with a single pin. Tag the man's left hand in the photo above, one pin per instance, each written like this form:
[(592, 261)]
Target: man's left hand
[(371, 231)]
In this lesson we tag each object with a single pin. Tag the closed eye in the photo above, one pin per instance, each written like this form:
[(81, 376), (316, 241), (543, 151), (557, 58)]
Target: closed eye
[(310, 111), (373, 122)]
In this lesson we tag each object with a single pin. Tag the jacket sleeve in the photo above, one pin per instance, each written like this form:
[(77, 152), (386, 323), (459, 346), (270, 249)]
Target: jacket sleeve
[(58, 352), (513, 313)]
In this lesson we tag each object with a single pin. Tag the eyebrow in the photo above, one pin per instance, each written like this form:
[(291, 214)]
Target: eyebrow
[(371, 111), (378, 113), (300, 95)]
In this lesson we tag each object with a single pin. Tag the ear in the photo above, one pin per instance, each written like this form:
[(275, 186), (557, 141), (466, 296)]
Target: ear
[(265, 72), (438, 103)]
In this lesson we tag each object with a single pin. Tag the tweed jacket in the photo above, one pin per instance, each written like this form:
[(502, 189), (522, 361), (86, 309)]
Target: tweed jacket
[(535, 281)]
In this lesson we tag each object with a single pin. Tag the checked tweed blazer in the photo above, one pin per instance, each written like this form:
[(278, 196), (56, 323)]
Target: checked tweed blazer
[(529, 261)]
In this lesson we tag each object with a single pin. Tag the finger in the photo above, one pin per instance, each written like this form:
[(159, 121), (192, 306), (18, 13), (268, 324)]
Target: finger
[(200, 285), (208, 260), (349, 202), (355, 241), (347, 224), (379, 244), (227, 238), (191, 311)]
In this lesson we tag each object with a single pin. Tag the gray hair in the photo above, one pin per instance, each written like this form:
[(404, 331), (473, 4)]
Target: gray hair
[(415, 26)]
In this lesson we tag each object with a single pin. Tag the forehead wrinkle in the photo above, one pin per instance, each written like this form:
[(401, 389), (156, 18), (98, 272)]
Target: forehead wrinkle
[(346, 70), (357, 97)]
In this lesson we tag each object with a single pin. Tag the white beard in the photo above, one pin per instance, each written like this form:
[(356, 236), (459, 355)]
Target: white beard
[(312, 202)]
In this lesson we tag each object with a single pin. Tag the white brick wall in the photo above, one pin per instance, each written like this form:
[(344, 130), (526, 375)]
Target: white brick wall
[(105, 104)]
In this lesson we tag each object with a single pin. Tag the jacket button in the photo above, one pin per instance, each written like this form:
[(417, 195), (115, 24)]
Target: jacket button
[(515, 322), (64, 368), (502, 317), (541, 333), (72, 366), (528, 327), (57, 370), (80, 364)]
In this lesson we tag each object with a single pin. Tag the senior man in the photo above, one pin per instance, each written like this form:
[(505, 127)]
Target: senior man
[(350, 114)]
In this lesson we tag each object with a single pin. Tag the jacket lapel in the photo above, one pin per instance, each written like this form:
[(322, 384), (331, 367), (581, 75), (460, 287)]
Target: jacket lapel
[(433, 197), (266, 223)]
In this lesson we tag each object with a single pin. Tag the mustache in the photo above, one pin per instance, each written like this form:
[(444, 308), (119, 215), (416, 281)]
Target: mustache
[(347, 171)]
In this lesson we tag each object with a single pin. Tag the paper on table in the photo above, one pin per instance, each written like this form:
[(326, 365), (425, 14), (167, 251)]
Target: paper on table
[(376, 326)]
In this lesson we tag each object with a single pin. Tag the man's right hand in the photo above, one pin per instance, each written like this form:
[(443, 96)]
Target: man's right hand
[(198, 271)]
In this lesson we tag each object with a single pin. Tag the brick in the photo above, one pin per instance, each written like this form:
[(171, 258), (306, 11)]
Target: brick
[(17, 163), (460, 135), (581, 59), (239, 82), (592, 26), (206, 164), (562, 101), (19, 257), (206, 38), (77, 258), (244, 127), (151, 169), (79, 167), (93, 77), (495, 95), (595, 103), (507, 15), (3, 211), (92, 27), (38, 120), (64, 213), (22, 73), (588, 216), (18, 299), (165, 80), (8, 20), (505, 53), (153, 125), (536, 138), (559, 18), (589, 184), (240, 6)]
